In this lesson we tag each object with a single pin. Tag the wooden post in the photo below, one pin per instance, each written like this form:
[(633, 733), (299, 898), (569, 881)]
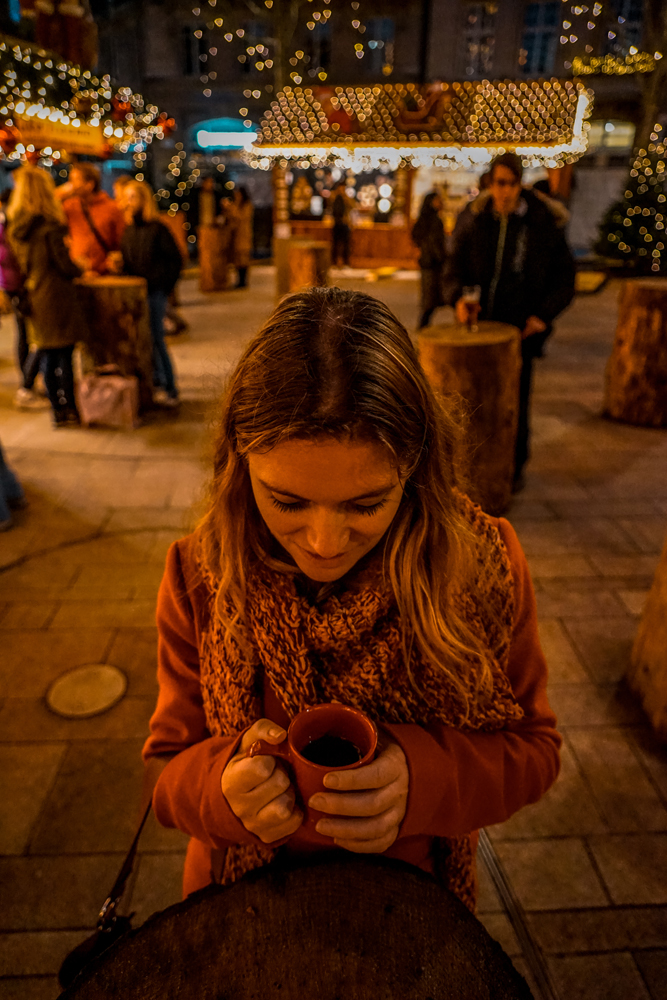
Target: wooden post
[(482, 368), (308, 263), (636, 376), (116, 310), (647, 675), (214, 247)]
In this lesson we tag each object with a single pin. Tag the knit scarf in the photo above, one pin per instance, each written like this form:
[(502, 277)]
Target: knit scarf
[(349, 650)]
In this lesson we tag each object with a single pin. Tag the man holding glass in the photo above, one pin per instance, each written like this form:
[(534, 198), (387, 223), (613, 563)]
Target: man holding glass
[(510, 249)]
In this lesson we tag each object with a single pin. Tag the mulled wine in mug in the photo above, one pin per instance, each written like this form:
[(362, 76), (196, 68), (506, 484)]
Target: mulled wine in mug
[(319, 740)]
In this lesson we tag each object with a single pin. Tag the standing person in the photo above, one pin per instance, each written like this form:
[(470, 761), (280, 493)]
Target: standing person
[(337, 561), (340, 210), (149, 251), (513, 247), (54, 319), (240, 212), (11, 494), (95, 221), (11, 282), (428, 233)]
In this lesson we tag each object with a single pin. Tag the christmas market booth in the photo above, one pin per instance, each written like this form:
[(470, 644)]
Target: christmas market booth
[(392, 143), (52, 109)]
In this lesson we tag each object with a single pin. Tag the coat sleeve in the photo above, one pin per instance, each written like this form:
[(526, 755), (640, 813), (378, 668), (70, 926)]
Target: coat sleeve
[(59, 255), (187, 795), (561, 277), (169, 256), (461, 781)]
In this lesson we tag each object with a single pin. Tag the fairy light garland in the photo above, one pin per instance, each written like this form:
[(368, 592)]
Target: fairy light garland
[(543, 120), (610, 65), (36, 84), (578, 24)]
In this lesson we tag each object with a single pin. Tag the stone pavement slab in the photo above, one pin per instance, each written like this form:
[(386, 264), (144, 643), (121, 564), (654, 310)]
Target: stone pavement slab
[(78, 580)]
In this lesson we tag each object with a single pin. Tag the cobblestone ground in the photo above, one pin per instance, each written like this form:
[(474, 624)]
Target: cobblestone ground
[(78, 579)]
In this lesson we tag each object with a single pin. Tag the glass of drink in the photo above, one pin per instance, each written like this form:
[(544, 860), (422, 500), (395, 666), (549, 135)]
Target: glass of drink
[(470, 296)]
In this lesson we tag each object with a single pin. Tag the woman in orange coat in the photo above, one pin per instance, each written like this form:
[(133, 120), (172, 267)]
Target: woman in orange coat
[(339, 562)]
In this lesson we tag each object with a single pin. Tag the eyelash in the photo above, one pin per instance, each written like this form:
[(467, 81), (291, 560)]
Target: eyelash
[(287, 508)]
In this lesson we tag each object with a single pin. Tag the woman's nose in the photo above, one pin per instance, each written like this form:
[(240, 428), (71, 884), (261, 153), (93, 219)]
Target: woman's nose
[(327, 534)]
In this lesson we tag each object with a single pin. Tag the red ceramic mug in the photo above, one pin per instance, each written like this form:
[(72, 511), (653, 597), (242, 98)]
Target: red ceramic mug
[(319, 740)]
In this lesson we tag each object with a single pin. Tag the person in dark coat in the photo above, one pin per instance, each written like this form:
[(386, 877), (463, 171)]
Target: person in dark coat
[(341, 207), (54, 318), (514, 248), (150, 251), (428, 233)]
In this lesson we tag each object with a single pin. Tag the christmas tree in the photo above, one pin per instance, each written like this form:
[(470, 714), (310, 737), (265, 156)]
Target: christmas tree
[(633, 229)]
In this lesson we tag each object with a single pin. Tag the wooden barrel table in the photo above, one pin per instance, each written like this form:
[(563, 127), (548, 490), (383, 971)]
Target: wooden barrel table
[(116, 311), (337, 927), (482, 368), (308, 264), (636, 375), (647, 675), (215, 256)]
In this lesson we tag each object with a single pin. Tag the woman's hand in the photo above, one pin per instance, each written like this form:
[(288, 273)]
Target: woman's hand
[(258, 790), (374, 798)]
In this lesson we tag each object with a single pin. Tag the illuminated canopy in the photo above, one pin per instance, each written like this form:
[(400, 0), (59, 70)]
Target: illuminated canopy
[(441, 124)]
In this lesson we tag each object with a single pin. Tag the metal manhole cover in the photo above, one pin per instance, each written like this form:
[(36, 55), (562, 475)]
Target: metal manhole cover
[(86, 691)]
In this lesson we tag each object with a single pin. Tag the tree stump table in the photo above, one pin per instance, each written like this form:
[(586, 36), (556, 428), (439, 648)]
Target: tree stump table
[(116, 312), (354, 928), (481, 367), (215, 256), (647, 675), (308, 264), (636, 376)]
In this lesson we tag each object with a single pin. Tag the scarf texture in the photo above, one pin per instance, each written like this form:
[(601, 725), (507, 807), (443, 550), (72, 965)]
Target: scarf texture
[(348, 650)]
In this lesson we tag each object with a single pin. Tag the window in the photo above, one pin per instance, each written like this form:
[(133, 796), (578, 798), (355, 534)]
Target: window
[(479, 38), (380, 45), (540, 38), (624, 27), (194, 50)]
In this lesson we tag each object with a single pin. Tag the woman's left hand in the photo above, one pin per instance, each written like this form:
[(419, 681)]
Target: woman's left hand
[(368, 805)]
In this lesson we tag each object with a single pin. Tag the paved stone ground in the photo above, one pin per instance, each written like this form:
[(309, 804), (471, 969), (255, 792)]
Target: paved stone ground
[(78, 578)]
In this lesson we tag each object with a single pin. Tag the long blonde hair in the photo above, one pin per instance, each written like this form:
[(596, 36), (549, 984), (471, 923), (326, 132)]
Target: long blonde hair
[(34, 194), (337, 363), (149, 209)]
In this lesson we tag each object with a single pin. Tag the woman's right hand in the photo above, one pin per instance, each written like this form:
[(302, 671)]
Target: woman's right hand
[(258, 789)]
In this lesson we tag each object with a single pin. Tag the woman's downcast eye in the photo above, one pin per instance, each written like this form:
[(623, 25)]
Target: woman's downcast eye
[(355, 508)]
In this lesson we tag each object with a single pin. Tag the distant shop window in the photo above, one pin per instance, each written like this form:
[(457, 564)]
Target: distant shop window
[(479, 38), (194, 48), (540, 38), (625, 26), (380, 32)]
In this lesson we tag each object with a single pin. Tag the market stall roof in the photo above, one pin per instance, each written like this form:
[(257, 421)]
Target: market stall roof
[(49, 104), (444, 124)]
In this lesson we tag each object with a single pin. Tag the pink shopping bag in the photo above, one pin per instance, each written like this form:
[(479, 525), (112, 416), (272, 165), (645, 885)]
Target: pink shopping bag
[(109, 398)]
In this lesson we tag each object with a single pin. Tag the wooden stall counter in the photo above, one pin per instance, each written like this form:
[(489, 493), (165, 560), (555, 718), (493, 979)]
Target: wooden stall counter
[(215, 256), (374, 245), (116, 311), (647, 675)]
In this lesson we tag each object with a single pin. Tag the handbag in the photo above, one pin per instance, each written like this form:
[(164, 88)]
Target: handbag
[(110, 926), (109, 398)]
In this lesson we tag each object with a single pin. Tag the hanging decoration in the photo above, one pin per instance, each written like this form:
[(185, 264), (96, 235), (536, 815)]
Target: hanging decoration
[(52, 105), (633, 230), (610, 65), (441, 124), (580, 28)]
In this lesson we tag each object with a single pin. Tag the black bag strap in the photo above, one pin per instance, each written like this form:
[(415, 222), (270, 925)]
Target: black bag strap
[(96, 233), (110, 926)]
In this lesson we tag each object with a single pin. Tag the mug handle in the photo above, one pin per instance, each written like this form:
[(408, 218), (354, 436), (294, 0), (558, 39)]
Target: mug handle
[(270, 749)]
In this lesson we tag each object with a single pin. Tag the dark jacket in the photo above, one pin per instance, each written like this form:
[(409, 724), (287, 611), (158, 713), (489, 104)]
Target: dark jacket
[(56, 319), (150, 251), (533, 277), (428, 233)]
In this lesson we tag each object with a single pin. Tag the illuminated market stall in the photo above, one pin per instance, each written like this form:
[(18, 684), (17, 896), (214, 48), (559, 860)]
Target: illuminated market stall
[(51, 108), (391, 143)]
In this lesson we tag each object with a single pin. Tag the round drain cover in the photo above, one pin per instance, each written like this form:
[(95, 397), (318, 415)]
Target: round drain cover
[(86, 691)]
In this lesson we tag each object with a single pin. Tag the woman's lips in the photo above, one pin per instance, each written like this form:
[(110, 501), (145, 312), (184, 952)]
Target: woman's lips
[(322, 559)]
